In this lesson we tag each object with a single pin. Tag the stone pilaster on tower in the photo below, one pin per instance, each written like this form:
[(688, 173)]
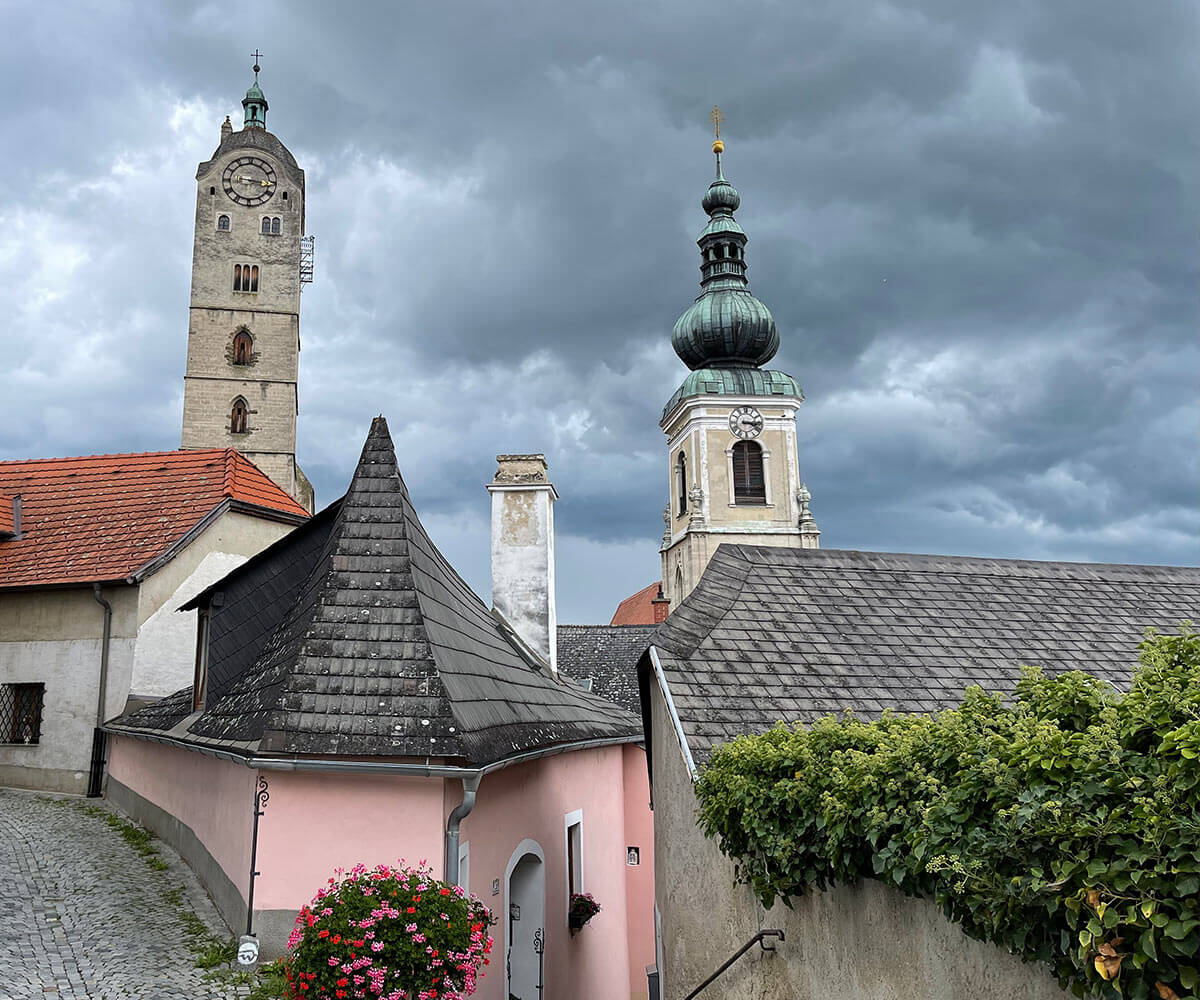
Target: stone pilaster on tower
[(731, 425), (240, 386)]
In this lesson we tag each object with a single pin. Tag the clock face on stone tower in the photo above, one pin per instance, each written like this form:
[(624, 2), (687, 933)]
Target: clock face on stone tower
[(249, 180), (745, 422)]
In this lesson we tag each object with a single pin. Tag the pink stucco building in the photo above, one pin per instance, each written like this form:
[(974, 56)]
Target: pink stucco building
[(356, 701)]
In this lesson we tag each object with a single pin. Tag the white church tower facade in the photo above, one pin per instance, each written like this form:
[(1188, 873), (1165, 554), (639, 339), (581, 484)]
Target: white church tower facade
[(249, 261), (731, 426)]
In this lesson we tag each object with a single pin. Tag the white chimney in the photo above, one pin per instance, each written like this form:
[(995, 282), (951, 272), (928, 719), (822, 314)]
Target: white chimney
[(523, 551)]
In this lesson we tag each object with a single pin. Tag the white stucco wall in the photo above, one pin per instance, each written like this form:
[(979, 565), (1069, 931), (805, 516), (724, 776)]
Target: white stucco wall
[(866, 941), (166, 639), (54, 638), (165, 657)]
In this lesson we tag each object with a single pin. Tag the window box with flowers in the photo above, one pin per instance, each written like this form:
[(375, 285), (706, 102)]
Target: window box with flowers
[(583, 907)]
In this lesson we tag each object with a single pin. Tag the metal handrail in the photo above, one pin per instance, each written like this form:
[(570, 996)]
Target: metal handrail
[(757, 939)]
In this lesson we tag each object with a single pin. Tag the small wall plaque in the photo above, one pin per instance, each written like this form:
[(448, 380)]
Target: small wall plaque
[(633, 856), (495, 887)]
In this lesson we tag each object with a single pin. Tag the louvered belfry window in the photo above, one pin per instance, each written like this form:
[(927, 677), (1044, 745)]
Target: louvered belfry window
[(749, 485)]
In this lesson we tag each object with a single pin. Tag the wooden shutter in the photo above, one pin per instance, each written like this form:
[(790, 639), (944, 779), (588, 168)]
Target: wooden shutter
[(749, 486)]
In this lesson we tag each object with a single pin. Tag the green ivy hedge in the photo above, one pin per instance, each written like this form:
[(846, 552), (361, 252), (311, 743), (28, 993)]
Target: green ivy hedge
[(1062, 824)]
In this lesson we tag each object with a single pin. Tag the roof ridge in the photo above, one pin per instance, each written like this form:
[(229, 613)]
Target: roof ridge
[(828, 555), (122, 454)]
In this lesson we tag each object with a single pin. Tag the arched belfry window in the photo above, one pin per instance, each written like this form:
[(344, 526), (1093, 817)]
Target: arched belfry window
[(223, 223), (276, 226), (749, 484), (238, 416), (681, 483), (243, 346), (266, 224)]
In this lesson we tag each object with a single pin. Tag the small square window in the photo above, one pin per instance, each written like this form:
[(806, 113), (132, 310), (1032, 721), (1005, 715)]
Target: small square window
[(21, 713)]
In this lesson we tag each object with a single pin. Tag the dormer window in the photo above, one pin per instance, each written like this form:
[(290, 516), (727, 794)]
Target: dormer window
[(200, 677), (238, 417), (243, 347), (223, 223)]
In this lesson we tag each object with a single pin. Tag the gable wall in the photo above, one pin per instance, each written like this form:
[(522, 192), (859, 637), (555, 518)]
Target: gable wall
[(866, 941), (166, 638)]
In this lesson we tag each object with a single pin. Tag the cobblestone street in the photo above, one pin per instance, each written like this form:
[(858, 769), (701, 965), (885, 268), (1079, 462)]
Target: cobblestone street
[(83, 915)]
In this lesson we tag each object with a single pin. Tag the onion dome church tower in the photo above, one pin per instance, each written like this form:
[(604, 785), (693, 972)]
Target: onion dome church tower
[(731, 425), (250, 258)]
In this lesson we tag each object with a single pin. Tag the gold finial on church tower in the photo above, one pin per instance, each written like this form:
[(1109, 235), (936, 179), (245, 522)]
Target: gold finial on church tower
[(717, 118)]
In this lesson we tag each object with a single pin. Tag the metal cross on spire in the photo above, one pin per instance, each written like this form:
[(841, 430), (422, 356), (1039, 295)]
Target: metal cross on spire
[(257, 55), (717, 118)]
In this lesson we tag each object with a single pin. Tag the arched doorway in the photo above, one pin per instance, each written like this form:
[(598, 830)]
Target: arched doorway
[(525, 885)]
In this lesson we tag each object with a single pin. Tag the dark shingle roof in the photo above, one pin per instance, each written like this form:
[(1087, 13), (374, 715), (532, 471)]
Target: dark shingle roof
[(794, 634), (354, 636), (607, 655)]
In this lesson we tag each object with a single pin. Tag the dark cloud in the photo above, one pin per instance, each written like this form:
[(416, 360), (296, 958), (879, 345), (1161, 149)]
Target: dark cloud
[(975, 224)]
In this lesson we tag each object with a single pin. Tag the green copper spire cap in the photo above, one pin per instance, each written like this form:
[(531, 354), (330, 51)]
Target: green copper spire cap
[(255, 103), (726, 327)]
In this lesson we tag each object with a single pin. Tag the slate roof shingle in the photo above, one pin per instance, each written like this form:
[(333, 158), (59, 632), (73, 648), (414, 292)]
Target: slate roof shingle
[(102, 518), (774, 634), (353, 636), (607, 655)]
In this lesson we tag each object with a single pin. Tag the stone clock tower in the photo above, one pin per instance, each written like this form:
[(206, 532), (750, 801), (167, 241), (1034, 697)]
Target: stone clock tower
[(731, 426), (248, 263)]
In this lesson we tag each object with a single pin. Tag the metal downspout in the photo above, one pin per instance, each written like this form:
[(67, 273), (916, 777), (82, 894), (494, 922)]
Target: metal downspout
[(96, 774), (461, 811)]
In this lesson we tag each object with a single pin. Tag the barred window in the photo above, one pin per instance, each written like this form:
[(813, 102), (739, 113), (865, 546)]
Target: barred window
[(21, 713), (749, 485)]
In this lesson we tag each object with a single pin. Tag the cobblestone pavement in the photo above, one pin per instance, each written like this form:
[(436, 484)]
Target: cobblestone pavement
[(83, 915)]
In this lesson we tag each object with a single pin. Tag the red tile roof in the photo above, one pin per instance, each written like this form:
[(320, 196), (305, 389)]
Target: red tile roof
[(103, 517), (646, 607)]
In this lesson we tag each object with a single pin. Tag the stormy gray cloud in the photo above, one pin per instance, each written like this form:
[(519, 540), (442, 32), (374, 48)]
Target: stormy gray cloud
[(975, 223)]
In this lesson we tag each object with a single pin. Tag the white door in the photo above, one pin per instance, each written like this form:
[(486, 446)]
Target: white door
[(526, 927)]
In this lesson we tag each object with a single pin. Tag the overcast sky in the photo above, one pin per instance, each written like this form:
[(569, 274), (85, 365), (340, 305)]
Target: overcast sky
[(975, 223)]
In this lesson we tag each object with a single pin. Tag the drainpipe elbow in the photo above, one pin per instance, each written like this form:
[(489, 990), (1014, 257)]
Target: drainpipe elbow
[(454, 822)]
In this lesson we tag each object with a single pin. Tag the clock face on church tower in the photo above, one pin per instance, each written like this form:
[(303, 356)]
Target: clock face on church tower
[(745, 422), (249, 180)]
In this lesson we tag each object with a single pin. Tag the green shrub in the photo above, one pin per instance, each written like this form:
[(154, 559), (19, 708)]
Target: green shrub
[(1063, 826)]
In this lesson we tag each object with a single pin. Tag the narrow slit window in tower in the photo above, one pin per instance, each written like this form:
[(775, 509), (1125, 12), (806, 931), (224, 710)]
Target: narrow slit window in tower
[(254, 278), (681, 482), (242, 345), (237, 277), (237, 417), (749, 484)]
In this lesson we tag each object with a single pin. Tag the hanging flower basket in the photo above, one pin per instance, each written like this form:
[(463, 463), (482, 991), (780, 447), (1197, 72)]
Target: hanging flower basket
[(582, 909)]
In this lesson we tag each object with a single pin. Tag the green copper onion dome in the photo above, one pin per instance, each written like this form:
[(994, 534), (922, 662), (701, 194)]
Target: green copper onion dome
[(726, 327), (255, 104)]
